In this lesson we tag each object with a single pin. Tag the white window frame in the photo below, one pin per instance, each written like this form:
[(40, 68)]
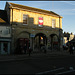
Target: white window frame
[(53, 24), (27, 19)]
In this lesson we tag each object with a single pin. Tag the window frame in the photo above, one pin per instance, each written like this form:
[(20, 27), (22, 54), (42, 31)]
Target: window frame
[(54, 26), (27, 19)]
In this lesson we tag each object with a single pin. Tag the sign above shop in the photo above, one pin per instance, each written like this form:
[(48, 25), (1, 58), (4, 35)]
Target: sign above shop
[(32, 35), (40, 21)]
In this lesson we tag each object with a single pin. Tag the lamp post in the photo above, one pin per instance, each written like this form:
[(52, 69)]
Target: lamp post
[(13, 32), (12, 37)]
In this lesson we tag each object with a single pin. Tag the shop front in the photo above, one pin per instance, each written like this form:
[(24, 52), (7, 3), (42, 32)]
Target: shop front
[(5, 46)]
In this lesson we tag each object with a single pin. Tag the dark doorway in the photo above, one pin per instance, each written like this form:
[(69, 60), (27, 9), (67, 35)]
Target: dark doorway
[(21, 42), (40, 40), (54, 42)]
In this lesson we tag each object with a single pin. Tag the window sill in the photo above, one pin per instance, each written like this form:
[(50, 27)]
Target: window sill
[(25, 24)]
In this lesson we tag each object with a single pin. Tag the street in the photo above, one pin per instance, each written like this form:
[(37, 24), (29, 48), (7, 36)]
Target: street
[(46, 64)]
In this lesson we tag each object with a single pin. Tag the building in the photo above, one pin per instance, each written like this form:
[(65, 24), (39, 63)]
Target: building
[(72, 41), (67, 37), (5, 33), (33, 27)]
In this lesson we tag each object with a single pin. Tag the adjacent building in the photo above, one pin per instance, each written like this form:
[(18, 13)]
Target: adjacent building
[(5, 33), (67, 37), (33, 27)]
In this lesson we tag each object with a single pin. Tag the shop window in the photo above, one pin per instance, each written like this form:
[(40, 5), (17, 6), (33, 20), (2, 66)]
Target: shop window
[(53, 23), (5, 46), (25, 19), (5, 32)]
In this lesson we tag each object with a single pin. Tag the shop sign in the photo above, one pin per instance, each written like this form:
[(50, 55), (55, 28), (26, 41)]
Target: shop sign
[(40, 21), (32, 35)]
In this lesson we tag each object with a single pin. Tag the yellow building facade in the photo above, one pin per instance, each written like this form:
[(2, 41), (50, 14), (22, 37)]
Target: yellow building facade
[(39, 27)]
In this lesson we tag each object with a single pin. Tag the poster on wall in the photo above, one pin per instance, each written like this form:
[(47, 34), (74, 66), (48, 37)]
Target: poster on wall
[(40, 21)]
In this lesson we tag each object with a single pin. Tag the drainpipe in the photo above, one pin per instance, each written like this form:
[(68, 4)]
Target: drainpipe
[(59, 33), (11, 32)]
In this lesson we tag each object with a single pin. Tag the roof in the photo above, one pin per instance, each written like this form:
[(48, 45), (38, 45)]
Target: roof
[(3, 17), (13, 5), (2, 21)]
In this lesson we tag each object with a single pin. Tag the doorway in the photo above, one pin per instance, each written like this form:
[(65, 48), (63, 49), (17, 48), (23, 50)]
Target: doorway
[(5, 47), (54, 42), (40, 40), (21, 43)]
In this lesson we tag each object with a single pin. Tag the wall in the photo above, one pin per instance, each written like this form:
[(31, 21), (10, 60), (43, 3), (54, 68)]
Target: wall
[(33, 18), (71, 37), (5, 31), (65, 40), (8, 11)]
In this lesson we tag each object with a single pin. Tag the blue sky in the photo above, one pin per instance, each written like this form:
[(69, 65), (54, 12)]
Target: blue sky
[(63, 8)]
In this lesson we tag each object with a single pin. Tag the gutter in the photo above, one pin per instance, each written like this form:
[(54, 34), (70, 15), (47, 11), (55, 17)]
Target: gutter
[(35, 11), (56, 14)]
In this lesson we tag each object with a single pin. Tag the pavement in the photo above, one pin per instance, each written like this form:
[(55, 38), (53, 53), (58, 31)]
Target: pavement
[(15, 57)]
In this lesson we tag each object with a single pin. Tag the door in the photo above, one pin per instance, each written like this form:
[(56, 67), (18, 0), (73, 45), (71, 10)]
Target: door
[(5, 47), (27, 43), (21, 42)]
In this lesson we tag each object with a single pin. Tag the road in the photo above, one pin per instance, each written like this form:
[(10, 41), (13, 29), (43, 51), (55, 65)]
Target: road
[(47, 64)]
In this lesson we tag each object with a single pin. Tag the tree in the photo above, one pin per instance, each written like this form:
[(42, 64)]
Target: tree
[(71, 33), (64, 32), (68, 33)]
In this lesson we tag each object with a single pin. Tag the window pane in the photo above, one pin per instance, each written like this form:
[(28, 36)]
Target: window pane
[(5, 46), (53, 23), (25, 19)]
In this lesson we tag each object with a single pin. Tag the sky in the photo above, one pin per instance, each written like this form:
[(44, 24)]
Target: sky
[(64, 8)]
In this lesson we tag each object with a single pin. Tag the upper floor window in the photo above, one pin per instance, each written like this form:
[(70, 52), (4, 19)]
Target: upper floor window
[(53, 23), (25, 19)]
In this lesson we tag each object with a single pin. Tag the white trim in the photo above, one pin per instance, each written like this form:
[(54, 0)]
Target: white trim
[(5, 39)]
